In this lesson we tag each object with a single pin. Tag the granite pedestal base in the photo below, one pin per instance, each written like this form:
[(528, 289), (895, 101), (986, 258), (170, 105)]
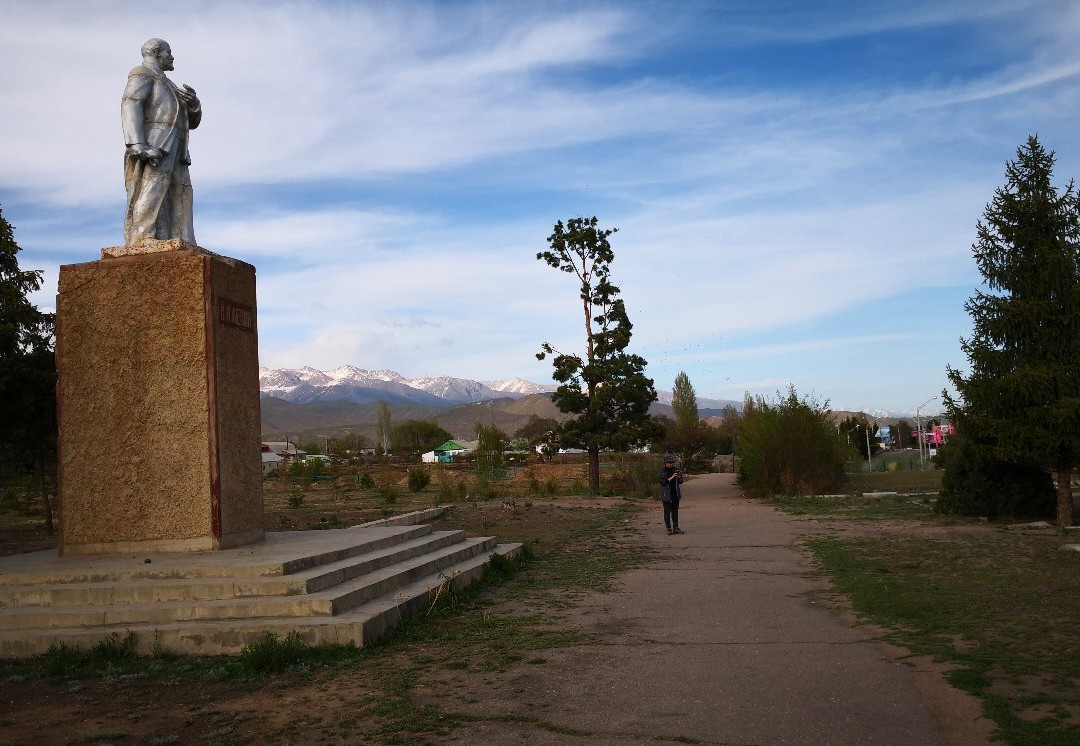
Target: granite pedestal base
[(158, 402)]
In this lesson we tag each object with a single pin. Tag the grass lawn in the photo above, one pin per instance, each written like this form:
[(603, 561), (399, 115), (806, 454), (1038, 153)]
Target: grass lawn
[(853, 506), (905, 482), (1000, 607)]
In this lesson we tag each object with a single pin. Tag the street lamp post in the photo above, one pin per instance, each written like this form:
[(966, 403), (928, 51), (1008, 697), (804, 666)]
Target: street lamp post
[(869, 466), (918, 421)]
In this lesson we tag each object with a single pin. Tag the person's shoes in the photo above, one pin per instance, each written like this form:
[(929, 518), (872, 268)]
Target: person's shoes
[(670, 532), (677, 530)]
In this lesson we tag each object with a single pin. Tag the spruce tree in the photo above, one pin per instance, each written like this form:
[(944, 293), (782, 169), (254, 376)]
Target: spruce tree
[(1022, 393), (606, 388), (27, 371), (22, 325)]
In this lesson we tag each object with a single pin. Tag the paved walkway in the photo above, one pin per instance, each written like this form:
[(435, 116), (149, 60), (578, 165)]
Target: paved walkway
[(723, 641)]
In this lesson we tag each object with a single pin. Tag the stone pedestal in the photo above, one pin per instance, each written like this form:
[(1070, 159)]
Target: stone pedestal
[(158, 402)]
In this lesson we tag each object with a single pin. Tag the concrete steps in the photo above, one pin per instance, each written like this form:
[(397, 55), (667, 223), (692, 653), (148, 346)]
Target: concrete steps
[(162, 590), (329, 586)]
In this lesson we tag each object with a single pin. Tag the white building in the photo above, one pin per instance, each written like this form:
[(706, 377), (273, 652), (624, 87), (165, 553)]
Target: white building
[(270, 461)]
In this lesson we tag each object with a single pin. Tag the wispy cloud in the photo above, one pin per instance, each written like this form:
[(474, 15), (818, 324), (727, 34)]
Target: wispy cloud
[(392, 169), (829, 21)]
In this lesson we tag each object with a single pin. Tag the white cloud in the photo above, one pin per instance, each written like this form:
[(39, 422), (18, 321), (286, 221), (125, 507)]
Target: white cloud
[(297, 91), (392, 169)]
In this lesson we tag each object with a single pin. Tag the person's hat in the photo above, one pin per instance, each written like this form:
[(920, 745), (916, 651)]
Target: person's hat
[(669, 459)]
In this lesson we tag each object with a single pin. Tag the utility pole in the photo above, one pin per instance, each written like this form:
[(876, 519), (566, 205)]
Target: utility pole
[(918, 420)]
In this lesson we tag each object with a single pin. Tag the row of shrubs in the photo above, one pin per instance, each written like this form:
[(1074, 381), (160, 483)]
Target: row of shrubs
[(791, 447), (630, 476)]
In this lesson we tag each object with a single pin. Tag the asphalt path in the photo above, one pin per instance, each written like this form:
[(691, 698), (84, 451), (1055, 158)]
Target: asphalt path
[(724, 639)]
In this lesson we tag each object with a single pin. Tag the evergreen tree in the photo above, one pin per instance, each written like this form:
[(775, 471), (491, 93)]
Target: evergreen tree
[(1022, 394), (27, 372), (606, 388), (976, 483), (22, 326), (860, 434), (689, 436)]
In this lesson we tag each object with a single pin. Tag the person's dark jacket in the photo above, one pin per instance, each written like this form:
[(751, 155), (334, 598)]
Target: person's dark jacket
[(669, 488)]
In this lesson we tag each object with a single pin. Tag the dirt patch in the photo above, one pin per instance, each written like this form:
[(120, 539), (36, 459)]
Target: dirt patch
[(127, 711), (959, 714)]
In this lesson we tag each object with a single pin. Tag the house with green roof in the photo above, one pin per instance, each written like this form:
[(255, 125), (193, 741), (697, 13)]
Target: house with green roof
[(445, 453)]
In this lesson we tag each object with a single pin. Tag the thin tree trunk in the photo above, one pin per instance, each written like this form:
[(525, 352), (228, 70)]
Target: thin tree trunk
[(1065, 498), (588, 328), (594, 470), (45, 504)]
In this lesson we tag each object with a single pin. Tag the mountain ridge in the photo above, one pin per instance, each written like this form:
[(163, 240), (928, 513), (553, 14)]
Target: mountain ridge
[(349, 383), (360, 386), (310, 403)]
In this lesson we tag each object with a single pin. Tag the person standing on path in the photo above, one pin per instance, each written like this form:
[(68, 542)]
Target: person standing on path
[(670, 493)]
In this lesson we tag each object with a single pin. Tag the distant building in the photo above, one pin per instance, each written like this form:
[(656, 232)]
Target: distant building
[(270, 461), (885, 436), (445, 453), (540, 450), (281, 448)]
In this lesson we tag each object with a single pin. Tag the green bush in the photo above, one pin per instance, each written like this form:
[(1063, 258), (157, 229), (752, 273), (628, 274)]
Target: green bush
[(446, 487), (789, 448), (418, 478), (9, 498), (976, 483), (634, 477), (365, 481), (483, 488), (272, 654)]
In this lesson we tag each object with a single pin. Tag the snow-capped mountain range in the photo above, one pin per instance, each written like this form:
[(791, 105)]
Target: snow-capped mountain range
[(349, 383)]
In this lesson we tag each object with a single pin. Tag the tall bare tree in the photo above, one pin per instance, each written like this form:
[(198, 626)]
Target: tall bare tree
[(382, 427)]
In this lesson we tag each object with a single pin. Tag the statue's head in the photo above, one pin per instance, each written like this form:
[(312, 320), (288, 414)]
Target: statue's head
[(160, 51)]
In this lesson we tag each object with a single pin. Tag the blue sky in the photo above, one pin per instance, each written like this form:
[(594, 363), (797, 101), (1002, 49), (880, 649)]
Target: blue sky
[(796, 185)]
